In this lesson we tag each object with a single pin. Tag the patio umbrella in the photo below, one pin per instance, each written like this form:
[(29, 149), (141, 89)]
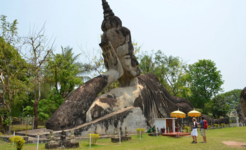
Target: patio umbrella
[(178, 114), (194, 113)]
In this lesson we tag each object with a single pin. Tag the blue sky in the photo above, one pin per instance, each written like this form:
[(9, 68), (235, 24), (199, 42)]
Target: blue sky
[(190, 29)]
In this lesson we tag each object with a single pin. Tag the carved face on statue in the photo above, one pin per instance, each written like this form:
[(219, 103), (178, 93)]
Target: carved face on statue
[(120, 38), (128, 62)]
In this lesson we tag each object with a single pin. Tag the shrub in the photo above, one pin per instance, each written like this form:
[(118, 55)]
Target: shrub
[(216, 125), (1, 133), (186, 128), (94, 138), (140, 129), (209, 127), (18, 140), (222, 124)]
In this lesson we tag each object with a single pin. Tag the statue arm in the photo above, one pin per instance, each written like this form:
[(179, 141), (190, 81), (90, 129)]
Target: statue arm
[(112, 63)]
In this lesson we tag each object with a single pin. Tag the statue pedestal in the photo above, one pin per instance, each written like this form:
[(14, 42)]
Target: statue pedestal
[(51, 145), (154, 134), (124, 138)]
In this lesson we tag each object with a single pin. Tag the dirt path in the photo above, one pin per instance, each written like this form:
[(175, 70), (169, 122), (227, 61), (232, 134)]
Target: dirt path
[(234, 143)]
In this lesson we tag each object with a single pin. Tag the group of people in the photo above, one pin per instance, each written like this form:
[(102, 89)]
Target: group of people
[(194, 132)]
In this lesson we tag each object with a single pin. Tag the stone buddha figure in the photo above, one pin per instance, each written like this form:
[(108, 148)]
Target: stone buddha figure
[(142, 92)]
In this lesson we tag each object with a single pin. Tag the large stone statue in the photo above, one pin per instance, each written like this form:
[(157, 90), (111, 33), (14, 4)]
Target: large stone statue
[(143, 96), (243, 100)]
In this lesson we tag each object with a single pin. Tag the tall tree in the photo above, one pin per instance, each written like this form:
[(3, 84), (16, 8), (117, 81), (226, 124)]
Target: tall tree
[(233, 99), (225, 103), (171, 71), (37, 50), (218, 106), (12, 68), (204, 82), (64, 71)]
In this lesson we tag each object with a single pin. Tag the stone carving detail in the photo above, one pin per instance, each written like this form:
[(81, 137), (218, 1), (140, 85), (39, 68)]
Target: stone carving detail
[(52, 144), (52, 138)]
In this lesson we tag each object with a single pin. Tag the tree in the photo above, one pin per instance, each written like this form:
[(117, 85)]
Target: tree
[(225, 103), (233, 99), (38, 49), (204, 82), (218, 106), (64, 72), (171, 71), (12, 69)]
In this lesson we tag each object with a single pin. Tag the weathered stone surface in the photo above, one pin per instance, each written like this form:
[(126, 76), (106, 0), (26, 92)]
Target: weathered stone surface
[(243, 100), (72, 112), (132, 118)]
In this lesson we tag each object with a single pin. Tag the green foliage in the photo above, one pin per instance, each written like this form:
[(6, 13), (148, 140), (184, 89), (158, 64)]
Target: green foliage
[(209, 127), (140, 129), (13, 71), (216, 126), (94, 138), (18, 140), (187, 128), (224, 103), (233, 98), (171, 71), (46, 107), (204, 82), (218, 106), (63, 71)]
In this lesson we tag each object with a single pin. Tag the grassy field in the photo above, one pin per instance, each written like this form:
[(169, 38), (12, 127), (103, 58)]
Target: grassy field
[(214, 138), (22, 127)]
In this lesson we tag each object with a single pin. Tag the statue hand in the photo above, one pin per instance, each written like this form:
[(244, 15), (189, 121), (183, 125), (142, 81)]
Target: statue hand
[(111, 60)]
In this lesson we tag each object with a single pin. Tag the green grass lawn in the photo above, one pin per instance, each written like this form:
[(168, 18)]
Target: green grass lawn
[(22, 127), (214, 138)]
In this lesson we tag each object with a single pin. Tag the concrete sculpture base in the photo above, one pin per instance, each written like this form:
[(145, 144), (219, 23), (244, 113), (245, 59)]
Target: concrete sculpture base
[(116, 139)]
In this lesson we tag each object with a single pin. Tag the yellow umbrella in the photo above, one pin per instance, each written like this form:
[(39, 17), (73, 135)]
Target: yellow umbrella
[(194, 113), (178, 114)]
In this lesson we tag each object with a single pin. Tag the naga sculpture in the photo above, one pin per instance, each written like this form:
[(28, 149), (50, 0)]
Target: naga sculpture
[(142, 92)]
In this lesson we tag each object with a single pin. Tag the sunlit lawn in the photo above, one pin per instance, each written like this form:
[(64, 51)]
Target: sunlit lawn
[(214, 138), (22, 127)]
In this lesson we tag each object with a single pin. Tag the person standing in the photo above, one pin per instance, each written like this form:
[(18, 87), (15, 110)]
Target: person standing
[(202, 130), (194, 133)]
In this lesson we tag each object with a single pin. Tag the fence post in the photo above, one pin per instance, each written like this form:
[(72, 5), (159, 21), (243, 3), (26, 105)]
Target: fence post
[(13, 142), (119, 138), (90, 140), (140, 135), (38, 141), (156, 132)]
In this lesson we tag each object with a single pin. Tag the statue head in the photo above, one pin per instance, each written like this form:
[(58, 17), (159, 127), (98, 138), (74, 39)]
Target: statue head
[(120, 38)]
